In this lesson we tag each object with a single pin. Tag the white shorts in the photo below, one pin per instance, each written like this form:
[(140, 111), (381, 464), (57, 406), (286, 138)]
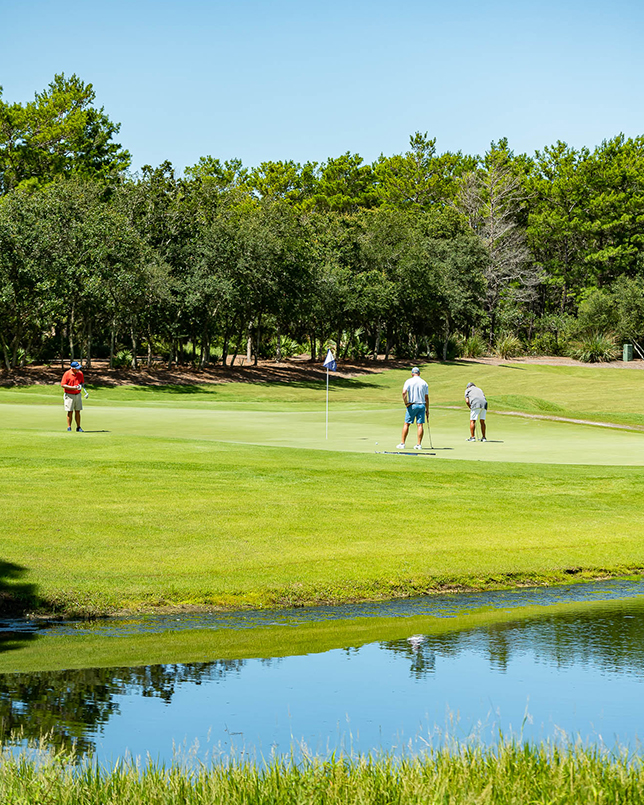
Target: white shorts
[(477, 413), (73, 402)]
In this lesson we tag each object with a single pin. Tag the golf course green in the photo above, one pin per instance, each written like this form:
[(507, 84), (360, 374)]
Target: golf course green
[(229, 495)]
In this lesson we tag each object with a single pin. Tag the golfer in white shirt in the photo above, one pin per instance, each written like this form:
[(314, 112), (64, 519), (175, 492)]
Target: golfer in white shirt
[(416, 398)]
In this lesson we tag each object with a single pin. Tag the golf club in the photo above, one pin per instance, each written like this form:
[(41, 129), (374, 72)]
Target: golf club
[(429, 430)]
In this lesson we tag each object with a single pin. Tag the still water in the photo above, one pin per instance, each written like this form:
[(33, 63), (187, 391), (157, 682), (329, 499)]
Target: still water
[(578, 674)]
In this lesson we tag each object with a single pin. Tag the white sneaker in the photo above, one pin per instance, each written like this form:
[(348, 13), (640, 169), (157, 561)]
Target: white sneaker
[(471, 439), (400, 446), (484, 439), (418, 447)]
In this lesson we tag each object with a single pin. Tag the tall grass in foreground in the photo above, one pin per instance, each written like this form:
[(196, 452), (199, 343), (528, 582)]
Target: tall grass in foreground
[(509, 773)]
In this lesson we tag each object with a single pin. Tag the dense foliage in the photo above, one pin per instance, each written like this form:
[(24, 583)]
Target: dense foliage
[(418, 253)]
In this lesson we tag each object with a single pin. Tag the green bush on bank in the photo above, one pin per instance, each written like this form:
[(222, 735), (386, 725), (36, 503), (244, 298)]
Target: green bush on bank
[(509, 773)]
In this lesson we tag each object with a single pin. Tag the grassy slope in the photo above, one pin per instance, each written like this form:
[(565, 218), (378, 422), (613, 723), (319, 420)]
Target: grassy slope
[(167, 508)]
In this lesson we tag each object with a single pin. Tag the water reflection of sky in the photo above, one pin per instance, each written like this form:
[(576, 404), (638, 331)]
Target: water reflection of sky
[(373, 698), (580, 673)]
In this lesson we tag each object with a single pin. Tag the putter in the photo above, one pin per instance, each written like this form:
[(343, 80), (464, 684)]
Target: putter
[(429, 430)]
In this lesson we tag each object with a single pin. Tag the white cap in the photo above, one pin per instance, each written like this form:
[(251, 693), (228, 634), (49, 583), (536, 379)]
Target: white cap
[(415, 371)]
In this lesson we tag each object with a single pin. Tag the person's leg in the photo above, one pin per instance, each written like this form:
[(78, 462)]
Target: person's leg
[(472, 428), (77, 415), (482, 423), (405, 431), (70, 415), (420, 433)]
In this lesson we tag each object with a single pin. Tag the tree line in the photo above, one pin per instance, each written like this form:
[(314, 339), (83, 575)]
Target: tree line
[(420, 253)]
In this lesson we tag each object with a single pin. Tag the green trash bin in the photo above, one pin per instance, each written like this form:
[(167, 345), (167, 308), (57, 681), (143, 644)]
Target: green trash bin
[(627, 354)]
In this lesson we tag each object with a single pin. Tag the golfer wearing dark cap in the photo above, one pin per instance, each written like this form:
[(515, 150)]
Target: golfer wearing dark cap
[(72, 382), (416, 398), (477, 404)]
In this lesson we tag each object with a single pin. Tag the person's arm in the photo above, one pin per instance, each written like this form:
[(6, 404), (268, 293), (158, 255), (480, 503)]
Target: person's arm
[(467, 400), (69, 386), (405, 398), (426, 406)]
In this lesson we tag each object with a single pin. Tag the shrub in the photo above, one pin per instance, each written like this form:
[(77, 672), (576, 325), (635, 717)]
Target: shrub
[(595, 348), (508, 346), (454, 347), (289, 347), (547, 344), (122, 359), (359, 349), (597, 312), (474, 347)]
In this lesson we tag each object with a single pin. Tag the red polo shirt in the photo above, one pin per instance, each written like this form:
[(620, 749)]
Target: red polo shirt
[(71, 379)]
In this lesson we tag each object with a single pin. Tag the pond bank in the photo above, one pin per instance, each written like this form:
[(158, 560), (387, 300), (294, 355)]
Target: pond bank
[(74, 605)]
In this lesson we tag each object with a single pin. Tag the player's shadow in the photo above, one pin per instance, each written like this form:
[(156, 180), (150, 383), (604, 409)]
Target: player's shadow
[(96, 431)]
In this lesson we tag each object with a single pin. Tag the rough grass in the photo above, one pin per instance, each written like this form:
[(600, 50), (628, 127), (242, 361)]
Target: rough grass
[(510, 773)]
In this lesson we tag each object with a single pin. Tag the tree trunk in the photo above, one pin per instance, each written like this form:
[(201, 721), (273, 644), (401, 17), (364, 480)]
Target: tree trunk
[(88, 354), (149, 361), (313, 347), (16, 344), (278, 351), (82, 347), (112, 342), (135, 363), (349, 344), (25, 352), (224, 349), (238, 346), (5, 353), (377, 344), (258, 336), (70, 333), (205, 348)]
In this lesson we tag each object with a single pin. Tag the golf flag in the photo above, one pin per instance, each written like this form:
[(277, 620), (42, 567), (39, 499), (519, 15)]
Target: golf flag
[(330, 363)]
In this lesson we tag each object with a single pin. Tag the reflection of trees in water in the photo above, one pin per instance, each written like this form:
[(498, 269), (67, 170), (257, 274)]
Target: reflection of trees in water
[(610, 639), (69, 706)]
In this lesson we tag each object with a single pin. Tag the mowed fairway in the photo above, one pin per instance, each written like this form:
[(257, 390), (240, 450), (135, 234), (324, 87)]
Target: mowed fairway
[(231, 495)]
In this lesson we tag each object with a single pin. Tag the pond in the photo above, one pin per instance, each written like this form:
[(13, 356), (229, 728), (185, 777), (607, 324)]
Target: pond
[(570, 667)]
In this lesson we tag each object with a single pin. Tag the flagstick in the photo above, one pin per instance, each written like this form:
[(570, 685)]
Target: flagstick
[(327, 403)]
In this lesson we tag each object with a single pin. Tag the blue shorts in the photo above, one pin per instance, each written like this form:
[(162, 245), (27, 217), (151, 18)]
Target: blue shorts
[(415, 413)]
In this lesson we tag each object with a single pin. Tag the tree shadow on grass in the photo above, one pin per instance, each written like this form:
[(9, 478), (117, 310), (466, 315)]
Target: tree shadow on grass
[(317, 383), (16, 599)]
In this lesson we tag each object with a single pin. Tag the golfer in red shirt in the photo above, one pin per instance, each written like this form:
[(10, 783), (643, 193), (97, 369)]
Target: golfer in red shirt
[(72, 381)]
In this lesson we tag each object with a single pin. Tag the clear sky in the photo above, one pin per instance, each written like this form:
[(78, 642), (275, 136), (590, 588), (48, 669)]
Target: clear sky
[(303, 80)]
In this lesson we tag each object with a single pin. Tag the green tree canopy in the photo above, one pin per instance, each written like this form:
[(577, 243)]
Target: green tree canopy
[(59, 132)]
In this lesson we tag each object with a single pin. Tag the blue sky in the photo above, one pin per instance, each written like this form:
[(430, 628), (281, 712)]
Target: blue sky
[(309, 80)]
